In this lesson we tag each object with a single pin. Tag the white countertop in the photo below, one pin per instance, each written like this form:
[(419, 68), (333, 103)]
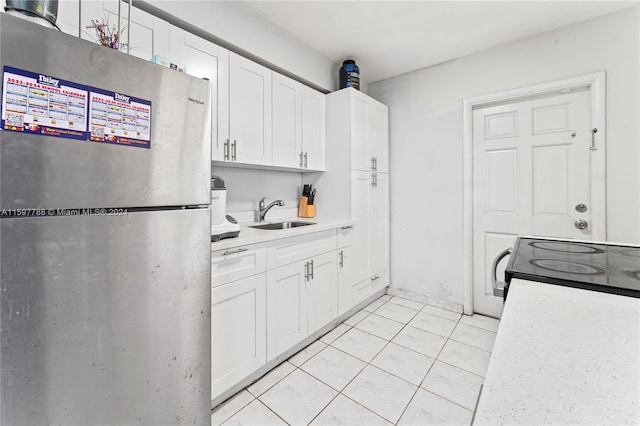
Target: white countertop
[(563, 356), (250, 235)]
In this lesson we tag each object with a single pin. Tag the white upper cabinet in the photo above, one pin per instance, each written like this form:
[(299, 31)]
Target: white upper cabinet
[(369, 122), (379, 135), (143, 30), (298, 125), (359, 132), (287, 122), (204, 59), (313, 123), (249, 111)]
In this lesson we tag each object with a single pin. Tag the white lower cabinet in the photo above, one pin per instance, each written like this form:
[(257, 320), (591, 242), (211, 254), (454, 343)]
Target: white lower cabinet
[(345, 279), (269, 297), (238, 331), (301, 298), (322, 304), (286, 307)]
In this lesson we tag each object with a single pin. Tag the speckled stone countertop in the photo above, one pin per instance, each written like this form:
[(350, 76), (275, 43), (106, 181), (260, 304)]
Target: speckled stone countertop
[(563, 356)]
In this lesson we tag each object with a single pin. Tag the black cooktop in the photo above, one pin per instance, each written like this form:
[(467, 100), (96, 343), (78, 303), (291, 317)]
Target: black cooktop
[(607, 268)]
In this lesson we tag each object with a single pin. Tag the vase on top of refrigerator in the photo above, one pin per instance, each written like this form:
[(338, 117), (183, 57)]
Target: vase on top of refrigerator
[(105, 235)]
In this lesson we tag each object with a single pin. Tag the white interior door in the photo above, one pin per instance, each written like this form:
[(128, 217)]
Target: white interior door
[(531, 176)]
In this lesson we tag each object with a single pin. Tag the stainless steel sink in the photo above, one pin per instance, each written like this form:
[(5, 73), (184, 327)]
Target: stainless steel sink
[(282, 225)]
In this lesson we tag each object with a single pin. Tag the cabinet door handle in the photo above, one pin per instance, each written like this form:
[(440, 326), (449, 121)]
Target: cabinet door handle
[(375, 163), (375, 277), (372, 168), (311, 274), (341, 261), (305, 160), (373, 181), (226, 151), (240, 250), (301, 155), (233, 156), (306, 271), (347, 227)]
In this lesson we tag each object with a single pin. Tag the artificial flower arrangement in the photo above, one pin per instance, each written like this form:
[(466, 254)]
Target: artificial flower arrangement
[(108, 37)]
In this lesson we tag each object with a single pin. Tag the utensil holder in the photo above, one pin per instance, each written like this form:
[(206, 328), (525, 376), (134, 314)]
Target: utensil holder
[(306, 210)]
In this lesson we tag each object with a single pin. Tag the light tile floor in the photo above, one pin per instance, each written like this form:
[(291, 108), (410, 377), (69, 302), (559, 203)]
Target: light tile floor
[(396, 361)]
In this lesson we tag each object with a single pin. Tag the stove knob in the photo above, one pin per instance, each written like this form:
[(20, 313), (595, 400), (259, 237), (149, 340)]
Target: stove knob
[(581, 224)]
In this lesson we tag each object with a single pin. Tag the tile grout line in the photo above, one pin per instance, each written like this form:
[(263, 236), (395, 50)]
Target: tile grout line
[(276, 414), (368, 363), (425, 376)]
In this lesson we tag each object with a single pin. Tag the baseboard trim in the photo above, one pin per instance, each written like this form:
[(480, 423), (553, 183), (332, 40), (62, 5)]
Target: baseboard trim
[(431, 301)]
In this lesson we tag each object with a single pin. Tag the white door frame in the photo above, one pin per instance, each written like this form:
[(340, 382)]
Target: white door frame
[(596, 84)]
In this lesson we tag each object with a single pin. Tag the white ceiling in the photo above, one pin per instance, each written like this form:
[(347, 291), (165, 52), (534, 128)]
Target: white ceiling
[(389, 38)]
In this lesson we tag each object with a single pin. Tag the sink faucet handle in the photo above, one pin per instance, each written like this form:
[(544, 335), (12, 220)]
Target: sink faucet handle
[(261, 203)]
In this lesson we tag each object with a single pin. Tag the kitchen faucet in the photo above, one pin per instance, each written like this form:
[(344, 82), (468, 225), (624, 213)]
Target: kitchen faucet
[(263, 210)]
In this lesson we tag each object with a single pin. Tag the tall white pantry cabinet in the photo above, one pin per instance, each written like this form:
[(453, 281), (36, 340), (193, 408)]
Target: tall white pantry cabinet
[(356, 186)]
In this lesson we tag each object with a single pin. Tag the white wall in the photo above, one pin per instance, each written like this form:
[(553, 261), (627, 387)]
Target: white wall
[(238, 25), (426, 139), (245, 187)]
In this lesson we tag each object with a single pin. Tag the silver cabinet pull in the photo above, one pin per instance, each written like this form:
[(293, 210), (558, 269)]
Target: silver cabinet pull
[(306, 271), (305, 160), (341, 257), (372, 166), (581, 224), (373, 179), (226, 151), (233, 150), (240, 250), (375, 164), (347, 227), (593, 139), (497, 291), (375, 277), (311, 274), (301, 163)]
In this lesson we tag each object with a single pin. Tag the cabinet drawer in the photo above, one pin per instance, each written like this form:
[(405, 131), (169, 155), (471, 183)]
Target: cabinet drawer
[(290, 250), (345, 236), (366, 288), (237, 263)]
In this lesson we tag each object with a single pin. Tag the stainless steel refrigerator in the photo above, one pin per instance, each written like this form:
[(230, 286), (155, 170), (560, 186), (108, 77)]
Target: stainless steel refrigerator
[(105, 235)]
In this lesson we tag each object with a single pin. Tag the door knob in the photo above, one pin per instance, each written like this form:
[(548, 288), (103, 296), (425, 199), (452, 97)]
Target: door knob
[(581, 224)]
